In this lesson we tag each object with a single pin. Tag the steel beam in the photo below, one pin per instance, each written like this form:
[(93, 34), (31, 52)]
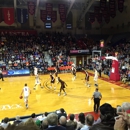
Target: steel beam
[(37, 5), (72, 2), (85, 10)]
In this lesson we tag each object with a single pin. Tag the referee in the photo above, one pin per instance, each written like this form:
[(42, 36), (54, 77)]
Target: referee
[(1, 75), (97, 97)]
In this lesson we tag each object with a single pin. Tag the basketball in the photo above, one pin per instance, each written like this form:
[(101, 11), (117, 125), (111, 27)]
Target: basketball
[(21, 97)]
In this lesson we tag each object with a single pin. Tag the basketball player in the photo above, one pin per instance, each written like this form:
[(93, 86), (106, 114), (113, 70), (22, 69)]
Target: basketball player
[(25, 92), (73, 69), (37, 81), (52, 81), (95, 76), (63, 84), (1, 75), (87, 78), (35, 70), (56, 74)]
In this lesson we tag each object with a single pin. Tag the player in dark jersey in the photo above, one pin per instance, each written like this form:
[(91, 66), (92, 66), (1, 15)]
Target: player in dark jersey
[(87, 78), (52, 81), (62, 87)]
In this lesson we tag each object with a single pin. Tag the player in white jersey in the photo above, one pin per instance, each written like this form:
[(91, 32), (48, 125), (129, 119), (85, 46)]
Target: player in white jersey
[(73, 70), (95, 76), (35, 71), (25, 92), (37, 81)]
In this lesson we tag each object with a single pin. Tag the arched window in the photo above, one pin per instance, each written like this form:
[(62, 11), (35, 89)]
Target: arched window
[(69, 21), (88, 25)]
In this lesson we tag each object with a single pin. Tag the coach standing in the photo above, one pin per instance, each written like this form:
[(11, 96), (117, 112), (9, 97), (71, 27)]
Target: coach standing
[(97, 97), (1, 75)]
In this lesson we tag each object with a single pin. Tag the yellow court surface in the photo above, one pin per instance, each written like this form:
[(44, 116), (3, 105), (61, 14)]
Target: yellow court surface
[(78, 98)]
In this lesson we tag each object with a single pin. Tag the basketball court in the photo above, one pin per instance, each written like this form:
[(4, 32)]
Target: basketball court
[(78, 98)]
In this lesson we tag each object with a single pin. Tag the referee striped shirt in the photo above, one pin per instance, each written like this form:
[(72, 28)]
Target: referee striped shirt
[(97, 95)]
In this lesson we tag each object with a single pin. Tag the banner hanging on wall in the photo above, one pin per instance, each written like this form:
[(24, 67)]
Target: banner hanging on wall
[(8, 15), (62, 12), (54, 16), (31, 7), (106, 15), (1, 15), (103, 5), (92, 17), (99, 18), (43, 15), (112, 8), (120, 5), (96, 11), (49, 8), (22, 15)]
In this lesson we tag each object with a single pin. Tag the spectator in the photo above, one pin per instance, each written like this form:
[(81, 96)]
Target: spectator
[(17, 121), (63, 121), (5, 122), (44, 124), (107, 118), (81, 121), (38, 123), (71, 121), (44, 116), (52, 119), (33, 116), (89, 120), (61, 112)]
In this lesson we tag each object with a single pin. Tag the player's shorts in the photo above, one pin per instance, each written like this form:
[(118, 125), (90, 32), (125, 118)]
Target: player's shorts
[(87, 78), (37, 82), (53, 81), (25, 98), (95, 78), (35, 73)]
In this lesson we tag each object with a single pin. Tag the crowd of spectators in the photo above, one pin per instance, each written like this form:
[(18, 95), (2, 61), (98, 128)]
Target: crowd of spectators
[(21, 52), (109, 119)]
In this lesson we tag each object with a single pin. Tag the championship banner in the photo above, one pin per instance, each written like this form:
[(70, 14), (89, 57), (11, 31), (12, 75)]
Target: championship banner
[(99, 18), (92, 17), (120, 5), (31, 7), (49, 8), (96, 11), (1, 15), (62, 8), (103, 5), (43, 15), (22, 15), (62, 12), (18, 32), (54, 16), (112, 8), (8, 15), (63, 17), (106, 16)]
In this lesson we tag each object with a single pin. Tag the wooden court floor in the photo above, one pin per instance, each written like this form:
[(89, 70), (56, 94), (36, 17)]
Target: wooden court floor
[(78, 98)]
